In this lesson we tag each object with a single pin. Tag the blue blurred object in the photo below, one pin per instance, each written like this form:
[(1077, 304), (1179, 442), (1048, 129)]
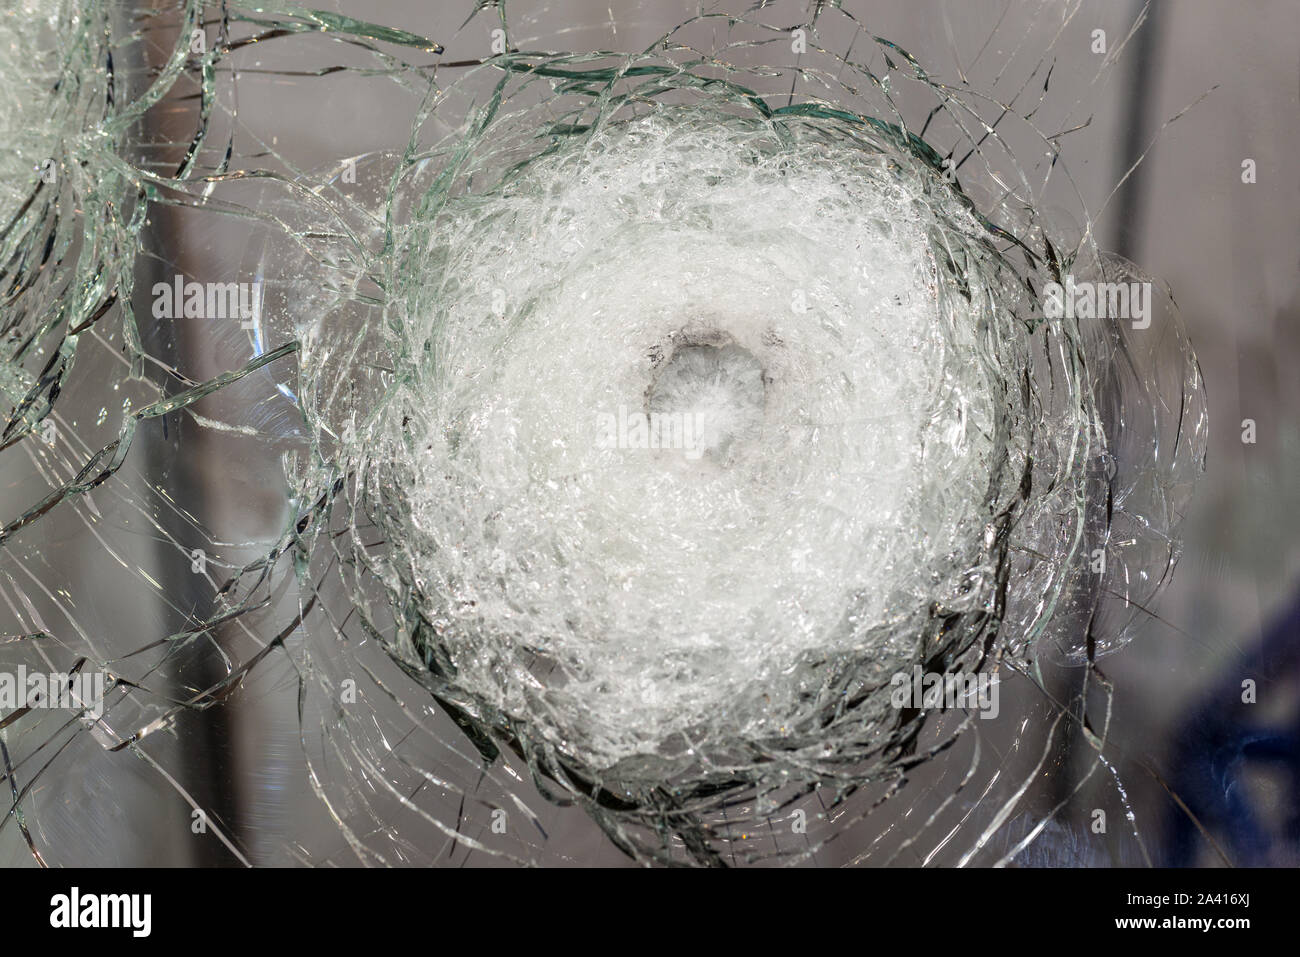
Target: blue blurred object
[(1222, 743)]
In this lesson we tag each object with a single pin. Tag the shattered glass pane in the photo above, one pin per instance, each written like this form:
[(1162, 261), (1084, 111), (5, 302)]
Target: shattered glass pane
[(563, 433)]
